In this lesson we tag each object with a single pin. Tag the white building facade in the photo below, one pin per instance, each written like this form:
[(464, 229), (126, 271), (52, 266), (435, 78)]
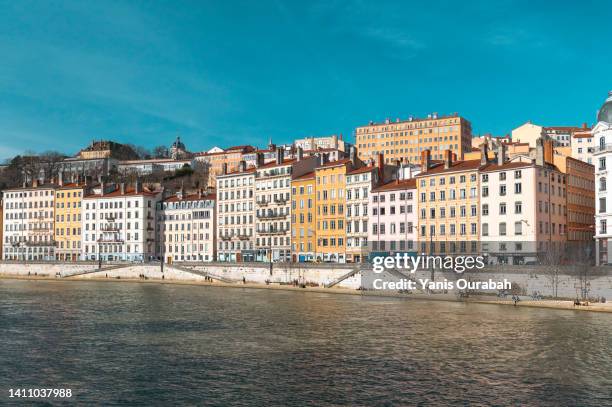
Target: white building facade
[(118, 223), (236, 216), (393, 217), (186, 228), (602, 159), (29, 223), (583, 145)]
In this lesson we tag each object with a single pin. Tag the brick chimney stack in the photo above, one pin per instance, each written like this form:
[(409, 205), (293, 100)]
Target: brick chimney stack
[(448, 159), (425, 160)]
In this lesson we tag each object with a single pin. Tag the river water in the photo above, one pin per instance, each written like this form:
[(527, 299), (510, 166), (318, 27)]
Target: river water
[(163, 344)]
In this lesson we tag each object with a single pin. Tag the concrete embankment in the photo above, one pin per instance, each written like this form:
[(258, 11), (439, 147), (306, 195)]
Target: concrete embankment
[(337, 279)]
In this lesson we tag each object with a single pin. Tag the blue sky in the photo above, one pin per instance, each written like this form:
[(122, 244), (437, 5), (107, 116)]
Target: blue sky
[(231, 72)]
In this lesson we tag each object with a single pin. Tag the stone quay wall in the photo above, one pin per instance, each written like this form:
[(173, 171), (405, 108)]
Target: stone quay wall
[(563, 282)]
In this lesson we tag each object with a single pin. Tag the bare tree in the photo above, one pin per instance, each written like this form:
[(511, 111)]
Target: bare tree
[(553, 257), (161, 152)]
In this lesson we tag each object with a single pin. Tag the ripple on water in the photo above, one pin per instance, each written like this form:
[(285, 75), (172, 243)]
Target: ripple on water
[(162, 344)]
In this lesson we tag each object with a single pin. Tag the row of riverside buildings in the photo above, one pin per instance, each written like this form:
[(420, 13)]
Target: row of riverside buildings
[(405, 186), (310, 208)]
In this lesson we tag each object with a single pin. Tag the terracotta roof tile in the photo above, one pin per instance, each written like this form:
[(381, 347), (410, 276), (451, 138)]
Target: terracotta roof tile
[(397, 185)]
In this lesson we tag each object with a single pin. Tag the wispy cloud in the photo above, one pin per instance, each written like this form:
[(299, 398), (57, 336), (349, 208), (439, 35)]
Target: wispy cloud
[(394, 37), (510, 37)]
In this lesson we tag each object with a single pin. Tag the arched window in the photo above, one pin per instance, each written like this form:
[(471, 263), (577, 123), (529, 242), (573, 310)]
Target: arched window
[(602, 184)]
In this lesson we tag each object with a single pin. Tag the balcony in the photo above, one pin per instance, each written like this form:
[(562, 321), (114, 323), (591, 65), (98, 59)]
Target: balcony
[(262, 202), (226, 237), (242, 236), (272, 216), (110, 228), (281, 201), (47, 243), (110, 240), (273, 231), (603, 148)]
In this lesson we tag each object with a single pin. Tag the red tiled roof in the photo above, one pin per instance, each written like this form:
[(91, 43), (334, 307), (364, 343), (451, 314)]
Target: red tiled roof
[(456, 166), (564, 128), (397, 185), (245, 147), (249, 170), (71, 185), (192, 197), (505, 166), (308, 175), (335, 163), (117, 193), (274, 164), (361, 170)]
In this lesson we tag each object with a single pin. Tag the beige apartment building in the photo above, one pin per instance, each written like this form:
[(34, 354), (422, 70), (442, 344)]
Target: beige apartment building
[(405, 140), (448, 203)]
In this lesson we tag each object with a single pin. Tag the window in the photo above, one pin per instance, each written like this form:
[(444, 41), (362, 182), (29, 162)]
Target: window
[(602, 184), (518, 188), (502, 208), (485, 209), (517, 174), (485, 229), (485, 191), (518, 228), (502, 190), (502, 229), (518, 207)]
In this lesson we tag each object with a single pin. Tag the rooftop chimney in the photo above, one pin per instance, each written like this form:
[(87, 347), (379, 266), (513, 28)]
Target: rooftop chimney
[(454, 156), (35, 183), (381, 166), (549, 152), (224, 168), (279, 155), (242, 166), (448, 159), (137, 187), (484, 153), (501, 154), (60, 178), (259, 159), (299, 154), (122, 188), (540, 152), (425, 160), (322, 159), (353, 155), (102, 188)]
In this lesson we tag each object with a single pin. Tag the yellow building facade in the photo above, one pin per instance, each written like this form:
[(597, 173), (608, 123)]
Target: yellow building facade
[(68, 200), (449, 203), (303, 218), (330, 215)]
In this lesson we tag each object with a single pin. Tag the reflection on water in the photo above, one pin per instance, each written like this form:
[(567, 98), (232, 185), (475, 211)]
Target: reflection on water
[(173, 344)]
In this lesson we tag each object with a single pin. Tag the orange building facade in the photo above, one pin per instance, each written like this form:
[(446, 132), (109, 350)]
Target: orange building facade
[(405, 140)]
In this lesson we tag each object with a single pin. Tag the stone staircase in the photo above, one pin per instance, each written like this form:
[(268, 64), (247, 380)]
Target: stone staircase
[(201, 273), (343, 277), (97, 270)]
